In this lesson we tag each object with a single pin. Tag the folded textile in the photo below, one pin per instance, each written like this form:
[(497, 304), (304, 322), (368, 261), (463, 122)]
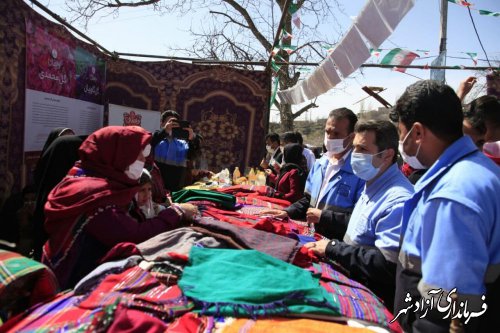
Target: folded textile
[(137, 289), (279, 247), (250, 283), (227, 201), (179, 241), (62, 314), (23, 276), (356, 301), (92, 279), (288, 325)]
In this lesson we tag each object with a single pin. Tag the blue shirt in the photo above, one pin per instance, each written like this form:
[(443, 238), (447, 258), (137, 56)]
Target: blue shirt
[(343, 189), (451, 225), (376, 218)]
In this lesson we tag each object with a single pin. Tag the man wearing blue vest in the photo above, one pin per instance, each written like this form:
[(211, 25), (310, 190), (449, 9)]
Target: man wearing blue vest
[(332, 188), (370, 248), (449, 263)]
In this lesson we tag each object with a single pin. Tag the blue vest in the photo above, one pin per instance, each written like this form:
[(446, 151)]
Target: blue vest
[(343, 189), (451, 225)]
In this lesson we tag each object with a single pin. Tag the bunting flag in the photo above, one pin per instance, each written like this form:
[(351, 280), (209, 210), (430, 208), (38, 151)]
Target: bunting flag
[(425, 52), (286, 35), (481, 11), (288, 48), (294, 11), (461, 3), (399, 57), (275, 90), (375, 52), (473, 56), (488, 13), (275, 51), (276, 67)]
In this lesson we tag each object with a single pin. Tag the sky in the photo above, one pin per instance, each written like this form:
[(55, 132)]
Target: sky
[(142, 30)]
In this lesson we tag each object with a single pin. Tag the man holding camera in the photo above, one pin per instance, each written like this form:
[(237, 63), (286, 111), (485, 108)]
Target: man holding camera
[(171, 146)]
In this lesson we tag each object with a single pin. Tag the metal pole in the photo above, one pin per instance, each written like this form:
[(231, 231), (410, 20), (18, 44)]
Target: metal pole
[(444, 26)]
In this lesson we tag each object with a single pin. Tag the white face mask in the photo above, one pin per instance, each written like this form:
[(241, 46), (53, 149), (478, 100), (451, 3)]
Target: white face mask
[(334, 146), (362, 165), (147, 150), (411, 160), (134, 170), (492, 148), (269, 149)]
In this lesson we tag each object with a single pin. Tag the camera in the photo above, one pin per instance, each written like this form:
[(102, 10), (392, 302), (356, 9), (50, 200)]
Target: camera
[(180, 132)]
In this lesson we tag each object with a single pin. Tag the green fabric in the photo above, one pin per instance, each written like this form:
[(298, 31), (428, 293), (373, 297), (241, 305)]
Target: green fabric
[(251, 283), (227, 201)]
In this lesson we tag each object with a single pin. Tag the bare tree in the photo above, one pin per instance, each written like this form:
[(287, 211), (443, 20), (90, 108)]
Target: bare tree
[(242, 31)]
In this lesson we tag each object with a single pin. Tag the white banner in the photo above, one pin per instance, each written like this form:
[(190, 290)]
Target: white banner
[(127, 116), (45, 111)]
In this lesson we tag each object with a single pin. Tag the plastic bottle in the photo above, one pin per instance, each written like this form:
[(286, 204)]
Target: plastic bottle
[(261, 178), (236, 174), (252, 177)]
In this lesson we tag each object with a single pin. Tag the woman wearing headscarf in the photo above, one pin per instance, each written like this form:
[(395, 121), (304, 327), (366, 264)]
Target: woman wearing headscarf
[(52, 167), (87, 212), (53, 135), (289, 183)]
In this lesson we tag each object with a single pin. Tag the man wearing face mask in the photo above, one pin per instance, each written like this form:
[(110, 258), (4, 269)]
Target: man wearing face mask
[(332, 188), (451, 225), (370, 248), (274, 153)]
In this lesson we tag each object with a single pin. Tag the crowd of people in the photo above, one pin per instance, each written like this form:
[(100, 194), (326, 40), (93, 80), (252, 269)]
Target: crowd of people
[(406, 207)]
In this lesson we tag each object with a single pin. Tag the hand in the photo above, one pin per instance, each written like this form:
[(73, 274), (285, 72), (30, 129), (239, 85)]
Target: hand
[(465, 87), (319, 247), (191, 133), (171, 124), (264, 164), (313, 215), (280, 214), (190, 211), (268, 171)]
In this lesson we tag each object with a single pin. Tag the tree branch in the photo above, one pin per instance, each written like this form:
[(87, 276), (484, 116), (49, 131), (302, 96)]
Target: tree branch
[(251, 25), (118, 3), (230, 19), (304, 109)]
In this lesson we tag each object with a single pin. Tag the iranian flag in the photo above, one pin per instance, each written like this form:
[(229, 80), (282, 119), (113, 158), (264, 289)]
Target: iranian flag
[(399, 57), (461, 3)]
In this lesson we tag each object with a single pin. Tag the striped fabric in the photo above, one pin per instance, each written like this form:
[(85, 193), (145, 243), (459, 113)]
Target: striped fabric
[(18, 273), (137, 289), (355, 300), (62, 315)]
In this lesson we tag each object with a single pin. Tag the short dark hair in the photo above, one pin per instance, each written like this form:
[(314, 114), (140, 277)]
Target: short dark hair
[(345, 113), (386, 134), (481, 110), (274, 137), (169, 113), (289, 137), (300, 140), (433, 104)]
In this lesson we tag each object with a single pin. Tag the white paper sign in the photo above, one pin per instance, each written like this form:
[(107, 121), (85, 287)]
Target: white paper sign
[(45, 111), (123, 116)]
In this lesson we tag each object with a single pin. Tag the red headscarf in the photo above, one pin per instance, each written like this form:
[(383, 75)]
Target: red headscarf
[(105, 155)]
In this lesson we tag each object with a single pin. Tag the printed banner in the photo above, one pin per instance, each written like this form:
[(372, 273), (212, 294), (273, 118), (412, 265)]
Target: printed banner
[(64, 87)]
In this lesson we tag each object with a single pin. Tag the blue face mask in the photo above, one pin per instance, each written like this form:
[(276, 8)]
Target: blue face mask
[(362, 165)]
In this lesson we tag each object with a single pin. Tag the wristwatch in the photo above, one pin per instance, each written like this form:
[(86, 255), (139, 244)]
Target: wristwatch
[(333, 242)]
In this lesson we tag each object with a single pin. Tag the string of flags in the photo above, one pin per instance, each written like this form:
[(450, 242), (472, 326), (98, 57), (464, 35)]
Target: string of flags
[(408, 56), (464, 3)]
